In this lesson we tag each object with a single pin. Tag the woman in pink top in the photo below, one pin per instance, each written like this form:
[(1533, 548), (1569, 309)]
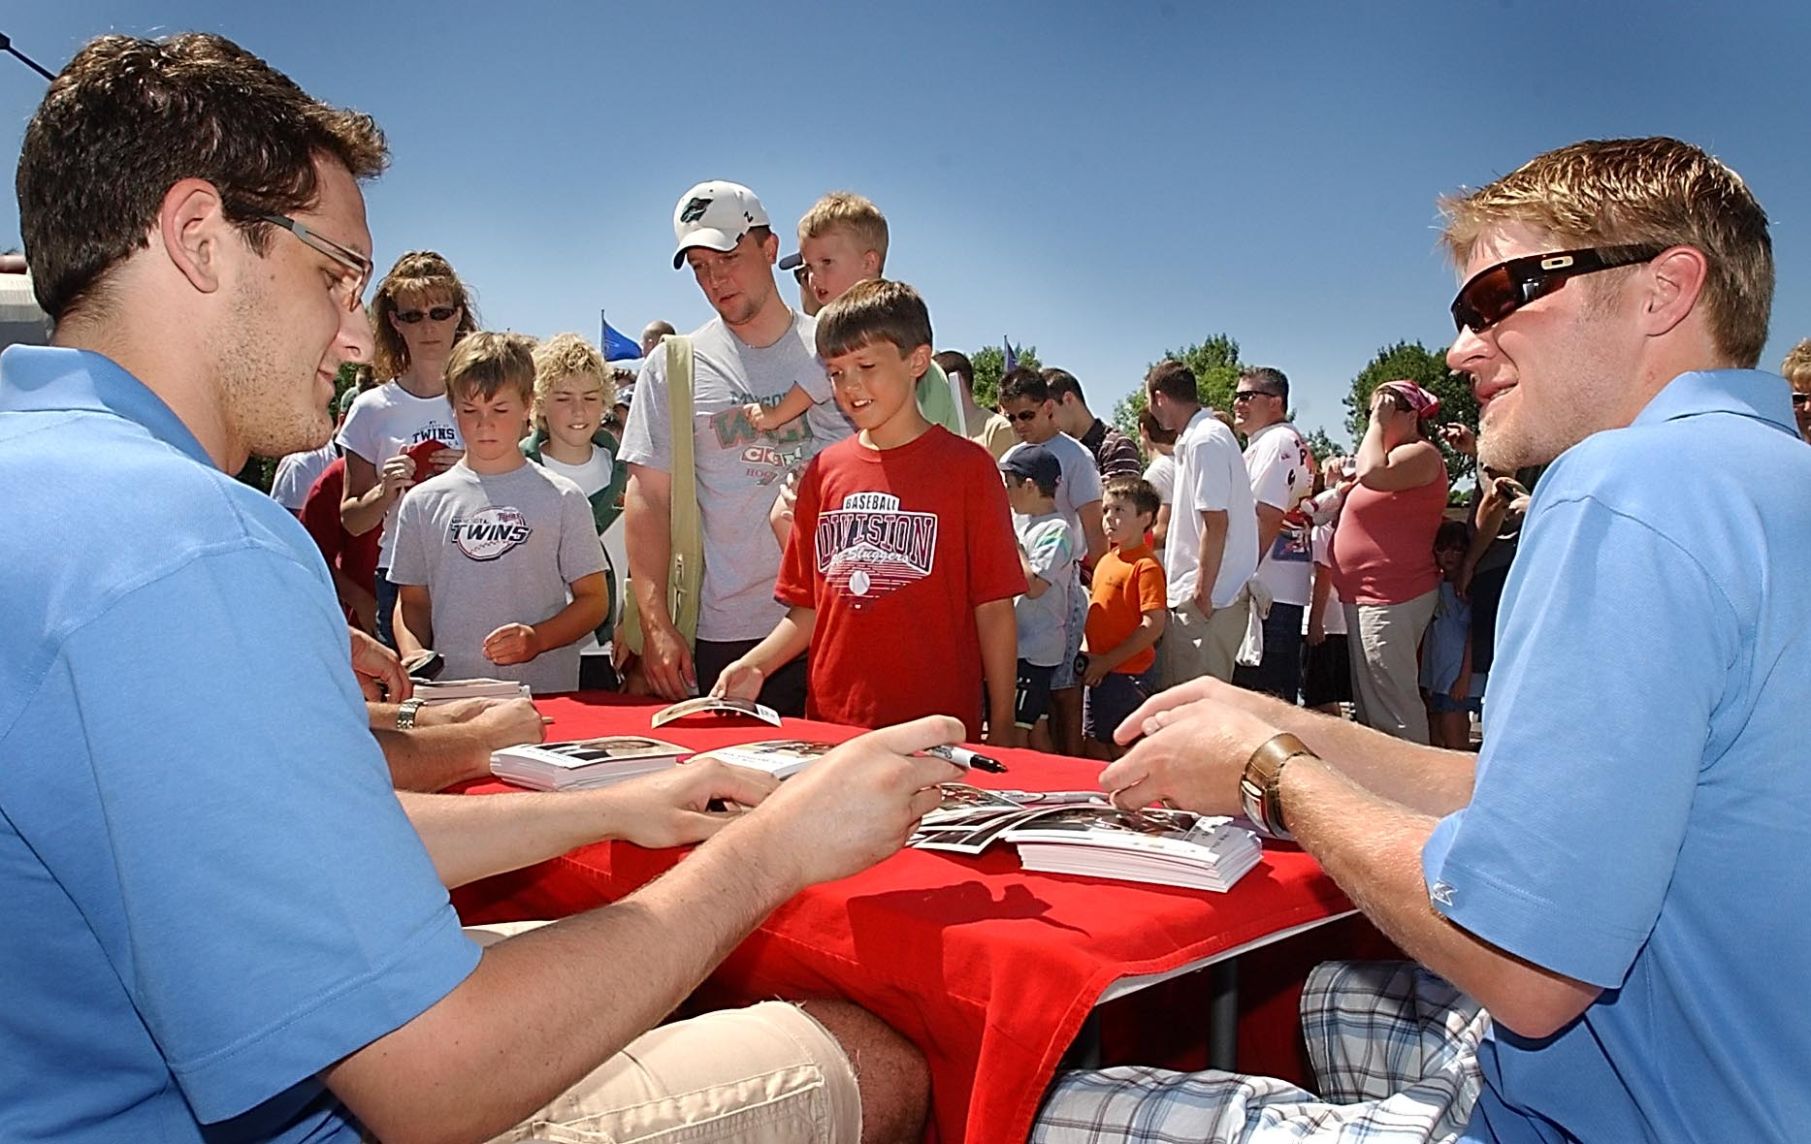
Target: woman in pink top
[(1383, 557)]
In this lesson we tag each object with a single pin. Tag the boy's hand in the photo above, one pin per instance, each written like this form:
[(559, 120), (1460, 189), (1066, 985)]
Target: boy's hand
[(440, 460), (1460, 690), (511, 643), (1317, 632), (757, 414), (1097, 671), (740, 680)]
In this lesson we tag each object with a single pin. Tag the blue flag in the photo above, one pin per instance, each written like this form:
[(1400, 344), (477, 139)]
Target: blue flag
[(1012, 355), (617, 345)]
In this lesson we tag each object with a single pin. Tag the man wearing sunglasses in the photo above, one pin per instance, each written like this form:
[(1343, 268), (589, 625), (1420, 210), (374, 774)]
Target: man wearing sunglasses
[(1797, 368), (1619, 876)]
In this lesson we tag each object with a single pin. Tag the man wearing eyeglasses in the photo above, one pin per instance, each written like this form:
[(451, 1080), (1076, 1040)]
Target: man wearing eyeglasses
[(1619, 876), (224, 922)]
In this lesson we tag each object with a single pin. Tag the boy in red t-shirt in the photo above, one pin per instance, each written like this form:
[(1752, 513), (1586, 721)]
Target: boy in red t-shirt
[(1126, 613), (901, 567)]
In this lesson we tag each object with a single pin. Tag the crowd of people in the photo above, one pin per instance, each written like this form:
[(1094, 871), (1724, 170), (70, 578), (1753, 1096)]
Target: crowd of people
[(230, 889)]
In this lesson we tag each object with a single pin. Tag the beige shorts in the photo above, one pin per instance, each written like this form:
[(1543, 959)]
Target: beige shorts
[(767, 1074)]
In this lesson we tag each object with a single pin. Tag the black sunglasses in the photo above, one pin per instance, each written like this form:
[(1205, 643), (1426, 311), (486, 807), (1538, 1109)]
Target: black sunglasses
[(437, 313), (1799, 400), (1501, 290), (1248, 394), (1023, 415)]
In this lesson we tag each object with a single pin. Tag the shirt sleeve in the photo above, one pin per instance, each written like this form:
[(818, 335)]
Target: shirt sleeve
[(816, 382), (1568, 845), (279, 909), (1211, 490), (1082, 476), (321, 517), (1052, 550), (647, 435), (358, 436), (796, 585), (581, 552), (1270, 472), (1163, 478), (410, 560), (992, 546), (1151, 588)]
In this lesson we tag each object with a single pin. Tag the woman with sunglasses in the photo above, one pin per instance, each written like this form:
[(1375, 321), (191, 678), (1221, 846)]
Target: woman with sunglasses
[(419, 313), (1383, 557), (1797, 370)]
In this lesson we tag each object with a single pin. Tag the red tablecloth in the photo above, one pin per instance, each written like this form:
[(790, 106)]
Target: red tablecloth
[(989, 970)]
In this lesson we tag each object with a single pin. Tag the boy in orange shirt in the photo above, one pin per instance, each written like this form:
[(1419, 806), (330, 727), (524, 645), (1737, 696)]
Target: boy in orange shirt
[(1126, 613)]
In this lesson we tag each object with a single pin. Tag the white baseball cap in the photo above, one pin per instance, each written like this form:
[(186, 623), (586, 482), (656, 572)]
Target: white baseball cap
[(715, 215)]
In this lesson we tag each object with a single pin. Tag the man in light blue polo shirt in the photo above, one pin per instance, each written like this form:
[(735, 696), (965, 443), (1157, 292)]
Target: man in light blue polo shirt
[(1620, 876), (219, 921)]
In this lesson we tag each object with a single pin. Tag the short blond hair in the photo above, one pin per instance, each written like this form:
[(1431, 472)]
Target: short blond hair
[(564, 355), (853, 213), (486, 361), (1797, 366), (1640, 192)]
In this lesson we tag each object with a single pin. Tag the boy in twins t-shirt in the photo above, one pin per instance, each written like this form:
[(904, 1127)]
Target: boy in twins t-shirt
[(497, 560)]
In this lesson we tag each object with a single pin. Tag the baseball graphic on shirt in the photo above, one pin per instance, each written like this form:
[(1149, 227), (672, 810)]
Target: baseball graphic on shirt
[(869, 547), (489, 534)]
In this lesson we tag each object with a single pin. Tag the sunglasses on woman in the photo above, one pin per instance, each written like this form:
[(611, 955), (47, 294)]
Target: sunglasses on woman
[(437, 313), (1500, 291)]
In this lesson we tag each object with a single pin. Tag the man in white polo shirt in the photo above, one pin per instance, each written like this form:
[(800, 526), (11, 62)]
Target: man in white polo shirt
[(1212, 547), (1276, 458)]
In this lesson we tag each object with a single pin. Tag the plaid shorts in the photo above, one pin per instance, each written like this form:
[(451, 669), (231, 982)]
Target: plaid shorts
[(1395, 1049)]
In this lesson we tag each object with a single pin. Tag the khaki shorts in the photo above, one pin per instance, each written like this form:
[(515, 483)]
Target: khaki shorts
[(767, 1074)]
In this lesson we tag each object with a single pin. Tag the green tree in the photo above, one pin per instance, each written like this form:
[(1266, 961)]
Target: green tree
[(1322, 445), (990, 367), (1216, 366), (1412, 361)]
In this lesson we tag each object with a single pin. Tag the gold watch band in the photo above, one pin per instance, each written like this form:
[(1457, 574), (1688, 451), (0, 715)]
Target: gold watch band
[(1259, 790)]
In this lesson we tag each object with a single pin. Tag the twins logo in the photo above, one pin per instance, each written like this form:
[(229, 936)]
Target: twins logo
[(870, 547), (490, 533)]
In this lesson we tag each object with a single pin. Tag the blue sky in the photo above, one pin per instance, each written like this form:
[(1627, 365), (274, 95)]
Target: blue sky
[(1104, 181)]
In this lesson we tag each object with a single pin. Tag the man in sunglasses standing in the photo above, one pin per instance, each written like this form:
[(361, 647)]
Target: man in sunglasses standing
[(1276, 458), (1618, 876)]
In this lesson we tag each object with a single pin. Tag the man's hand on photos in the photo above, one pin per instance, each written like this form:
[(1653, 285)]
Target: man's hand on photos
[(507, 722), (1190, 756), (671, 807), (380, 673), (667, 662), (511, 643), (856, 805), (740, 680)]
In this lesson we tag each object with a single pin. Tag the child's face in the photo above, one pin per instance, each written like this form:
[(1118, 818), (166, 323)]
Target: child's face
[(836, 262), (573, 409), (875, 383), (1448, 558), (492, 427), (1122, 522)]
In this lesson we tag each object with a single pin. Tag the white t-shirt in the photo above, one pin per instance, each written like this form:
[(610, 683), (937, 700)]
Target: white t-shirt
[(1161, 473), (739, 468), (1276, 457), (1210, 477), (1079, 487), (385, 420), (297, 473), (1334, 622), (591, 477)]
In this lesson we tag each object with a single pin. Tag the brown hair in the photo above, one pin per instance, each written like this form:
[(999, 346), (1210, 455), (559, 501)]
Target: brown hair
[(1174, 380), (1797, 366), (419, 274), (1140, 492), (874, 310), (1148, 425), (853, 213), (1641, 192), (485, 361), (129, 118)]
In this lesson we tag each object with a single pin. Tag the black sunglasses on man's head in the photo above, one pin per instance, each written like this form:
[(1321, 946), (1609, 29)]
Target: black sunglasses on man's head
[(1499, 291)]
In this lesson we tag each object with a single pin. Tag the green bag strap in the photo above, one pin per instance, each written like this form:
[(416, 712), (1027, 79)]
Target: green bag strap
[(686, 574)]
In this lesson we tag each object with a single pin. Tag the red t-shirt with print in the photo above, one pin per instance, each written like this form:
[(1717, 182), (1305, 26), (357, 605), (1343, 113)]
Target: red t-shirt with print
[(895, 549)]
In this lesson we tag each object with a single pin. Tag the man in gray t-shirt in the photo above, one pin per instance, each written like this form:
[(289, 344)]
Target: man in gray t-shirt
[(755, 350), (495, 549)]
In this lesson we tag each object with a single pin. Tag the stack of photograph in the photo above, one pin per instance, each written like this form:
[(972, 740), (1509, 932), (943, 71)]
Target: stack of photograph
[(585, 763), (1082, 832)]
